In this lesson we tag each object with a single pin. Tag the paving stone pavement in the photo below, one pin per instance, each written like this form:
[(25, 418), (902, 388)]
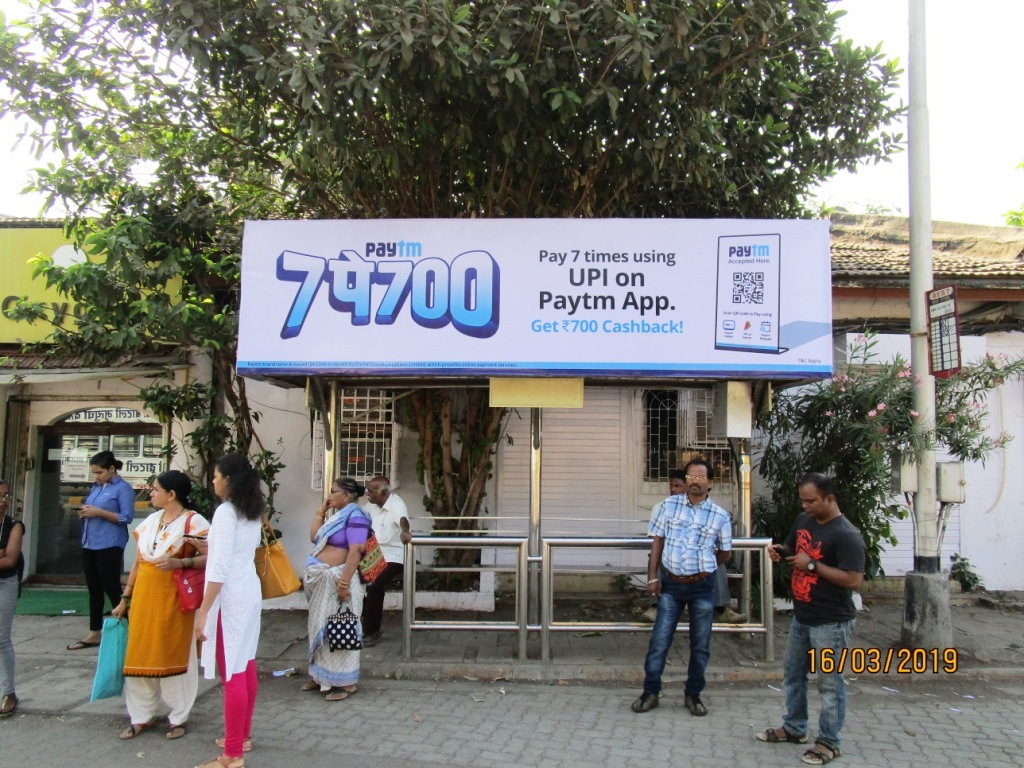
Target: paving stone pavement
[(458, 724), (465, 700)]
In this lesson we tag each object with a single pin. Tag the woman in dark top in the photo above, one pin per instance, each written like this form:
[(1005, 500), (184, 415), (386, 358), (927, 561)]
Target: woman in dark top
[(11, 563), (108, 509)]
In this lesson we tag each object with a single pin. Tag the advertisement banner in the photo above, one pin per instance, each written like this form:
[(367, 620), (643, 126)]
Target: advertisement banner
[(634, 298), (18, 247)]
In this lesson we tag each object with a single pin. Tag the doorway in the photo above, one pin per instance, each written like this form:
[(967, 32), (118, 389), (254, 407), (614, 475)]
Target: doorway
[(65, 481)]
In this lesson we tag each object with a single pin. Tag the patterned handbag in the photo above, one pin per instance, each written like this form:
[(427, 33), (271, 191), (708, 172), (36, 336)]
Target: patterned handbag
[(373, 563), (342, 630)]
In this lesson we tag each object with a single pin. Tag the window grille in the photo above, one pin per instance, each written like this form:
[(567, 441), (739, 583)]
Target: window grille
[(661, 425), (678, 428), (364, 445)]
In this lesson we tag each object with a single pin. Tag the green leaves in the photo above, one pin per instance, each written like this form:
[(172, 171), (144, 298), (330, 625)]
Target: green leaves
[(856, 424)]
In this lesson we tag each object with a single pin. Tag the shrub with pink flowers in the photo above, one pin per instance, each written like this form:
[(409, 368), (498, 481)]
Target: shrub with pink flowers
[(854, 425)]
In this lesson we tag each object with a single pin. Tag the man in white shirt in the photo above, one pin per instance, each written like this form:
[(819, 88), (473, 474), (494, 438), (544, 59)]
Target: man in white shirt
[(391, 524)]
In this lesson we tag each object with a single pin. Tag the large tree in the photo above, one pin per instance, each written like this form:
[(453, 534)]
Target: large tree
[(176, 120)]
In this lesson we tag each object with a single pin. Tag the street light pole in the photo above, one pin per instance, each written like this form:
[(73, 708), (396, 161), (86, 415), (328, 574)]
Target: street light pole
[(926, 619)]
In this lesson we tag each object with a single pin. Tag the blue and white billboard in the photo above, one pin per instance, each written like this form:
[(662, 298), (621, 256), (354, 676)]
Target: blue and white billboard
[(537, 297)]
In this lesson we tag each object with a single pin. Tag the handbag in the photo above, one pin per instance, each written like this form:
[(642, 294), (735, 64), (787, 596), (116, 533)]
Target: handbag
[(191, 583), (372, 563), (277, 577), (342, 630), (109, 678)]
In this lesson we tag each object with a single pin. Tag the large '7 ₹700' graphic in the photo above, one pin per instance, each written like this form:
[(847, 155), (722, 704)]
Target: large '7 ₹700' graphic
[(464, 293)]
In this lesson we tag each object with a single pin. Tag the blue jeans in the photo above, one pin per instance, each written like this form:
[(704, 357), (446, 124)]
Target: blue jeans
[(831, 687), (699, 599)]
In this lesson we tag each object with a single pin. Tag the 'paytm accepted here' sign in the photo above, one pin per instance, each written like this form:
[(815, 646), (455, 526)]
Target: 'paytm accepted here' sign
[(536, 297)]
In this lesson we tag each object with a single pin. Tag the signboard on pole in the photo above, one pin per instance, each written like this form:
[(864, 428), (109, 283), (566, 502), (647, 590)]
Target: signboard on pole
[(634, 298), (943, 332)]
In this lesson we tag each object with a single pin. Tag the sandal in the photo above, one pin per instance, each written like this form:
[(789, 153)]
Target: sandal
[(80, 644), (771, 735), (8, 705), (223, 761), (246, 744), (311, 685), (340, 694), (817, 757), (134, 730), (176, 731)]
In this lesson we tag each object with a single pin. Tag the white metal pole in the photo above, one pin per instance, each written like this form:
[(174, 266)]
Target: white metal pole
[(926, 555)]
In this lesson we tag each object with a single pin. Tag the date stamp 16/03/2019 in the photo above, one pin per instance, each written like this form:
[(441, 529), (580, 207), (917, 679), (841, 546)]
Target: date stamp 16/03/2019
[(902, 661)]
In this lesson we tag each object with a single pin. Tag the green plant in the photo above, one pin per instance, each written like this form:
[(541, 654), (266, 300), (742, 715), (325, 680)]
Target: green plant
[(962, 571), (853, 426)]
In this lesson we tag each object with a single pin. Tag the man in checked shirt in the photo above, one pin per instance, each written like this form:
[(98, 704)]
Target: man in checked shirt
[(692, 536)]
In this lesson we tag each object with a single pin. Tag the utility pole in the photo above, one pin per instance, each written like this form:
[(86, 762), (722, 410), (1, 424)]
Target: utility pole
[(926, 617)]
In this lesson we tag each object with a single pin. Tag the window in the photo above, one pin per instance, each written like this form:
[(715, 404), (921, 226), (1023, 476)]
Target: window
[(365, 433), (661, 425), (677, 426)]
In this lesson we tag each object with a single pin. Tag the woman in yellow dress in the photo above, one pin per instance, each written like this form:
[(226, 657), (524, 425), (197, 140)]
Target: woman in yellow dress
[(160, 662)]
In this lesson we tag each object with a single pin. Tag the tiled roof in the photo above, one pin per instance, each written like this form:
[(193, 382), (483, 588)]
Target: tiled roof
[(876, 249)]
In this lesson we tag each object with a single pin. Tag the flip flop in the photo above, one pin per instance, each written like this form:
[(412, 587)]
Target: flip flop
[(134, 730), (176, 731), (340, 694), (80, 644), (310, 685)]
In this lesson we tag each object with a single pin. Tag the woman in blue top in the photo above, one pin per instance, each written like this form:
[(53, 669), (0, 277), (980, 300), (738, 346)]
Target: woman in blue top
[(108, 509)]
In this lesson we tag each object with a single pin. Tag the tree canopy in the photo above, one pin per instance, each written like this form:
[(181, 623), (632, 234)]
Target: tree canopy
[(176, 120), (436, 108)]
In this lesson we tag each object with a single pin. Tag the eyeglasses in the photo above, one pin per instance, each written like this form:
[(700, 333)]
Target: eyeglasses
[(5, 495), (696, 477)]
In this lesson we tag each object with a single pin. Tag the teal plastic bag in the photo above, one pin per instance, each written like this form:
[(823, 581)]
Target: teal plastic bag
[(109, 678)]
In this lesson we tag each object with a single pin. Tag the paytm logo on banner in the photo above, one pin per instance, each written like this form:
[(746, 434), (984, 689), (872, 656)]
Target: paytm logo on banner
[(465, 293)]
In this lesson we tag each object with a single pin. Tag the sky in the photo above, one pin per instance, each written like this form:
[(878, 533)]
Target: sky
[(976, 114)]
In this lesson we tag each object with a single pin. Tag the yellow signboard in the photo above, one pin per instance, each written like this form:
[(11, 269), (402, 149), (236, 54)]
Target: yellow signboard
[(18, 246), (536, 393)]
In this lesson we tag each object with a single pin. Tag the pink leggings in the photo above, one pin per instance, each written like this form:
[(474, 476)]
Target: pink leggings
[(239, 700)]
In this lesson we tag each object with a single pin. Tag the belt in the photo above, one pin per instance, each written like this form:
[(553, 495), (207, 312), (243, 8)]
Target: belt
[(691, 579)]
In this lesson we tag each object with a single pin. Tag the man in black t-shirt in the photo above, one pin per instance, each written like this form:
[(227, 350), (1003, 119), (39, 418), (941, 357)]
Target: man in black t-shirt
[(827, 555)]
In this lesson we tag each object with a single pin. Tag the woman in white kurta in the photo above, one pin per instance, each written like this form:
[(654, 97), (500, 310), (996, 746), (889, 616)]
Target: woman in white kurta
[(228, 621)]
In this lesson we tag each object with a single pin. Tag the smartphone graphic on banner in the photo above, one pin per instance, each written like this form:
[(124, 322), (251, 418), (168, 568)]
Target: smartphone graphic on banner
[(747, 308)]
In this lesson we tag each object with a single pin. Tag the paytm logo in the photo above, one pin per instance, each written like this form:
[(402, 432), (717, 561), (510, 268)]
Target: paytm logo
[(749, 251)]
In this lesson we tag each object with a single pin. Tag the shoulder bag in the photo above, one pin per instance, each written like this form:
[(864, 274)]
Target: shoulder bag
[(372, 563), (277, 577), (191, 582)]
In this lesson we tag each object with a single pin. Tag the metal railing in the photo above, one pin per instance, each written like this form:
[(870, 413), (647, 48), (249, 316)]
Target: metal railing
[(464, 542), (547, 624)]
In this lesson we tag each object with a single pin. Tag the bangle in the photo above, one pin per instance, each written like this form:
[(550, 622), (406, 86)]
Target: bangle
[(344, 584), (192, 562), (651, 581), (126, 600)]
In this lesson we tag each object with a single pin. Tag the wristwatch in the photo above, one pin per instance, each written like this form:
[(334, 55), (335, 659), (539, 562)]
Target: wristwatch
[(812, 566)]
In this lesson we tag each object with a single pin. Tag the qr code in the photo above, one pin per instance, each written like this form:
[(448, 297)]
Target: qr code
[(748, 287)]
